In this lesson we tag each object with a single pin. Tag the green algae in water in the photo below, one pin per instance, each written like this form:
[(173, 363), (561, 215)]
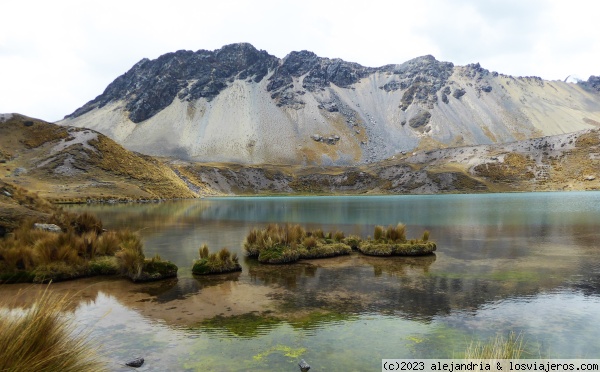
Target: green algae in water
[(285, 350), (317, 319), (246, 325)]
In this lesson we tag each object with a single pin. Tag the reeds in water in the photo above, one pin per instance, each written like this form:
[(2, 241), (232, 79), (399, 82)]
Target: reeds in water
[(500, 347)]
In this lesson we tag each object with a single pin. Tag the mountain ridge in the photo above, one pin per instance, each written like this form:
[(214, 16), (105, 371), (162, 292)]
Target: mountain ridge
[(243, 105)]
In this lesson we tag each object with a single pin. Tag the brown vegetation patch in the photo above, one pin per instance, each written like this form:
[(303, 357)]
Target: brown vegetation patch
[(588, 139), (157, 178), (516, 167)]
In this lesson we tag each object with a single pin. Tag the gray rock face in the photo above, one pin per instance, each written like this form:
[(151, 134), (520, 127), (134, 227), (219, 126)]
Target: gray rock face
[(150, 86), (593, 83), (419, 120)]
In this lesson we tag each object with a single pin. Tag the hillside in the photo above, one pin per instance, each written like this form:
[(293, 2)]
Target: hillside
[(69, 164), (563, 162), (241, 105)]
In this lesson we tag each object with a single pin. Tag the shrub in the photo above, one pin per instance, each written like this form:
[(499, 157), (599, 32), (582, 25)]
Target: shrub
[(425, 236)]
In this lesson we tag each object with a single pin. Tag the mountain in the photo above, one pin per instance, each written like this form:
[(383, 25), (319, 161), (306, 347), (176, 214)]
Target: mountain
[(68, 164), (242, 105)]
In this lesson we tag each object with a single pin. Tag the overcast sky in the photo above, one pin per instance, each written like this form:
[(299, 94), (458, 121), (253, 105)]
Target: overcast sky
[(57, 55)]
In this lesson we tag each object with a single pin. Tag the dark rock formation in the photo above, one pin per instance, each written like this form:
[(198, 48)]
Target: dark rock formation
[(419, 120), (458, 93), (150, 86), (593, 83)]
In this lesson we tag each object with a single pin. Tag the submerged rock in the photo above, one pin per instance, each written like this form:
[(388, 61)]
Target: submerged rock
[(135, 363), (304, 367)]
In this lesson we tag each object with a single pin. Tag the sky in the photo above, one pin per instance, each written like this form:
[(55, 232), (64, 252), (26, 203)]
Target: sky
[(57, 55)]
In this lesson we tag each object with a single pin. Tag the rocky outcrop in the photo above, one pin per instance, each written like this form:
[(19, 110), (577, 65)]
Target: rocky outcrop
[(151, 85), (593, 83)]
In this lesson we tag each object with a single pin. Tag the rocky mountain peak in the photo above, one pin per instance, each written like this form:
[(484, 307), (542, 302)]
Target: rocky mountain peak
[(151, 85), (593, 83)]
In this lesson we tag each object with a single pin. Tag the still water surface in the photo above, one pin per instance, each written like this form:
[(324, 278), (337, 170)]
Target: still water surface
[(527, 263)]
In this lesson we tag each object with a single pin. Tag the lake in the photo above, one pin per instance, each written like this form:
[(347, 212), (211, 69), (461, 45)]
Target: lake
[(526, 263)]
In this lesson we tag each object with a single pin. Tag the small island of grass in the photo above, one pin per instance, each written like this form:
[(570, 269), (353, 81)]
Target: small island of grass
[(392, 242), (215, 263), (277, 244), (40, 242), (32, 255)]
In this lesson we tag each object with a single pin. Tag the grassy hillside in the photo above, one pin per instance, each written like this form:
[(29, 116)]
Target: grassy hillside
[(73, 165)]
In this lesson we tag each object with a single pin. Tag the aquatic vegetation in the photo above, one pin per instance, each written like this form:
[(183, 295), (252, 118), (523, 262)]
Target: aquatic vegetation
[(245, 325), (511, 347), (286, 350), (392, 241), (288, 243), (215, 263), (41, 338)]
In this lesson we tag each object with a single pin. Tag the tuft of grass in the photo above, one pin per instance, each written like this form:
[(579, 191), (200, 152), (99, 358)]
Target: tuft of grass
[(215, 263), (353, 241), (130, 256), (87, 222), (378, 233), (42, 338), (309, 242), (203, 251), (511, 347), (107, 244)]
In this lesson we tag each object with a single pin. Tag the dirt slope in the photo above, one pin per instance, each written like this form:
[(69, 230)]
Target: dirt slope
[(72, 164)]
